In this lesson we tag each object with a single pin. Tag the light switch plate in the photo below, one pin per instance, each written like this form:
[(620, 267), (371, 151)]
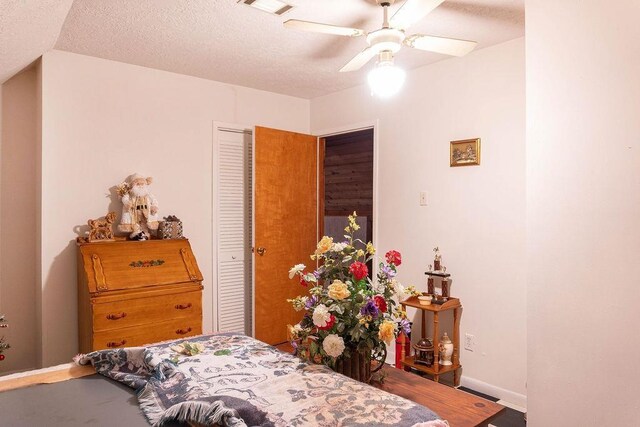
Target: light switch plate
[(423, 198), (469, 342)]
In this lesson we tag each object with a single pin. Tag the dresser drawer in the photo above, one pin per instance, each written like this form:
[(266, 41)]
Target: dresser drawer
[(146, 310), (147, 334)]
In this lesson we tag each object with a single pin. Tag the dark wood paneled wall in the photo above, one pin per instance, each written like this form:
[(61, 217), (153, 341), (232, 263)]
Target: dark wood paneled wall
[(348, 175)]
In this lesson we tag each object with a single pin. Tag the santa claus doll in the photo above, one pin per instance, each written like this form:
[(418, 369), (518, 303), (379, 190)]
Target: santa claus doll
[(139, 208)]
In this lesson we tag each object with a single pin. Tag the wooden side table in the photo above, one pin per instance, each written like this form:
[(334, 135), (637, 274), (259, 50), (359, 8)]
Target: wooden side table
[(436, 369)]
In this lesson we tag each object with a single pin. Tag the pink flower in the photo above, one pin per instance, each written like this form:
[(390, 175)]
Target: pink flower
[(393, 257), (358, 270)]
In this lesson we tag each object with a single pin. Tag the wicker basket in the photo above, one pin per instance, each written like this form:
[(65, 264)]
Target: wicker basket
[(358, 365)]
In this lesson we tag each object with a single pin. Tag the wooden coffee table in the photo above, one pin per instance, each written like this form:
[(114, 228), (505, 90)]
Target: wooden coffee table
[(459, 408)]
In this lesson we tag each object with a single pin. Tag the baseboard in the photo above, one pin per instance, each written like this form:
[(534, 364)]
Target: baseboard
[(517, 399)]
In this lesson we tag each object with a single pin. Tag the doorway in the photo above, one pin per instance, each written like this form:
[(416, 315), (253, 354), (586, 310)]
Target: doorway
[(282, 188), (347, 183)]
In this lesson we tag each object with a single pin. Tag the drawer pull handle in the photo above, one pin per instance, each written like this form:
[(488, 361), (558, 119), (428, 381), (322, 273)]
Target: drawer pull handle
[(116, 316), (183, 331), (183, 306), (112, 344)]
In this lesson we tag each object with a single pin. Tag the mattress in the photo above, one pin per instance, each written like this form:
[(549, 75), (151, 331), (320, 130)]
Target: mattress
[(90, 400)]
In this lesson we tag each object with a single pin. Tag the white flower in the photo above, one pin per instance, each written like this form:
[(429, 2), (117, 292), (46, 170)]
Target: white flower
[(333, 345), (321, 316), (338, 247), (309, 278), (298, 268), (399, 290)]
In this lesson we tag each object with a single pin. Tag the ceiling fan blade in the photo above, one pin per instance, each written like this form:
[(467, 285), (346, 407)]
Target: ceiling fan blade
[(453, 47), (315, 27), (359, 60), (412, 11)]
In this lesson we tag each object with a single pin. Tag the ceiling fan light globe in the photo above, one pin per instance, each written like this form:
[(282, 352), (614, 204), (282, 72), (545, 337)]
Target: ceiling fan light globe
[(386, 80)]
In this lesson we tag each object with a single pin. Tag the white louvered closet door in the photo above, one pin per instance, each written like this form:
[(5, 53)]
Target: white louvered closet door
[(234, 231)]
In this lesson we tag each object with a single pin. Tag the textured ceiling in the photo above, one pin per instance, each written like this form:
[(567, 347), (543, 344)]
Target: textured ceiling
[(234, 43), (28, 28)]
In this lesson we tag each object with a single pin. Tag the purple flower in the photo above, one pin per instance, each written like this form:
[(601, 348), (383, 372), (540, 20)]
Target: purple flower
[(388, 271), (316, 274), (405, 326), (310, 302), (369, 309)]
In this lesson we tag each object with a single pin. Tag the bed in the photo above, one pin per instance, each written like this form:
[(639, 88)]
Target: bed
[(235, 381)]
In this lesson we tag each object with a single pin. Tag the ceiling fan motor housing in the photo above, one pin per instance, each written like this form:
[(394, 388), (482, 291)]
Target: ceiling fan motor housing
[(386, 39)]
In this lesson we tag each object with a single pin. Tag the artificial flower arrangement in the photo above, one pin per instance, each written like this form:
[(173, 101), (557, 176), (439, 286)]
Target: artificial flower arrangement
[(345, 310)]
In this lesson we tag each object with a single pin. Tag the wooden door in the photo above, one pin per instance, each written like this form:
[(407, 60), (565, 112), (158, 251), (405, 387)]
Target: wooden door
[(286, 210)]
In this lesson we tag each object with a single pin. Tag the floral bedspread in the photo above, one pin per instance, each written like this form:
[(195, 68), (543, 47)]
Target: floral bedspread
[(248, 382)]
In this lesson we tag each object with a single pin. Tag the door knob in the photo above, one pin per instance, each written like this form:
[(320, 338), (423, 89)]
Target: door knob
[(261, 251)]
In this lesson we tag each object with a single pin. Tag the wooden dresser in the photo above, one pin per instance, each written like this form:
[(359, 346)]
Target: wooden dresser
[(134, 293)]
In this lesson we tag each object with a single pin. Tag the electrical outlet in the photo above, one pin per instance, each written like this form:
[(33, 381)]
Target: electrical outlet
[(423, 198), (469, 342)]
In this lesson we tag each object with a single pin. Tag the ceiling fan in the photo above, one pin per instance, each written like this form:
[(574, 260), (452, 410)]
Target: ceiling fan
[(386, 41)]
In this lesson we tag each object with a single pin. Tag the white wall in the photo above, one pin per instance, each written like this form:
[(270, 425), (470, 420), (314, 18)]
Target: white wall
[(583, 154), (18, 116), (476, 215), (102, 121), (0, 188), (1, 204)]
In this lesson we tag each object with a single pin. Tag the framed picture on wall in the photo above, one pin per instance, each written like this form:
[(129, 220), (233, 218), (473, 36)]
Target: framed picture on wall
[(465, 152)]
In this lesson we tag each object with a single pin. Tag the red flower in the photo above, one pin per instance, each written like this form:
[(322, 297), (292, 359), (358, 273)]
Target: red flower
[(329, 325), (394, 257), (304, 282), (381, 303), (359, 270)]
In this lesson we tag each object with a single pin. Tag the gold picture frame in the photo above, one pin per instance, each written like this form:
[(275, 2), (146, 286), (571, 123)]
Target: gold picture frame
[(465, 152)]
